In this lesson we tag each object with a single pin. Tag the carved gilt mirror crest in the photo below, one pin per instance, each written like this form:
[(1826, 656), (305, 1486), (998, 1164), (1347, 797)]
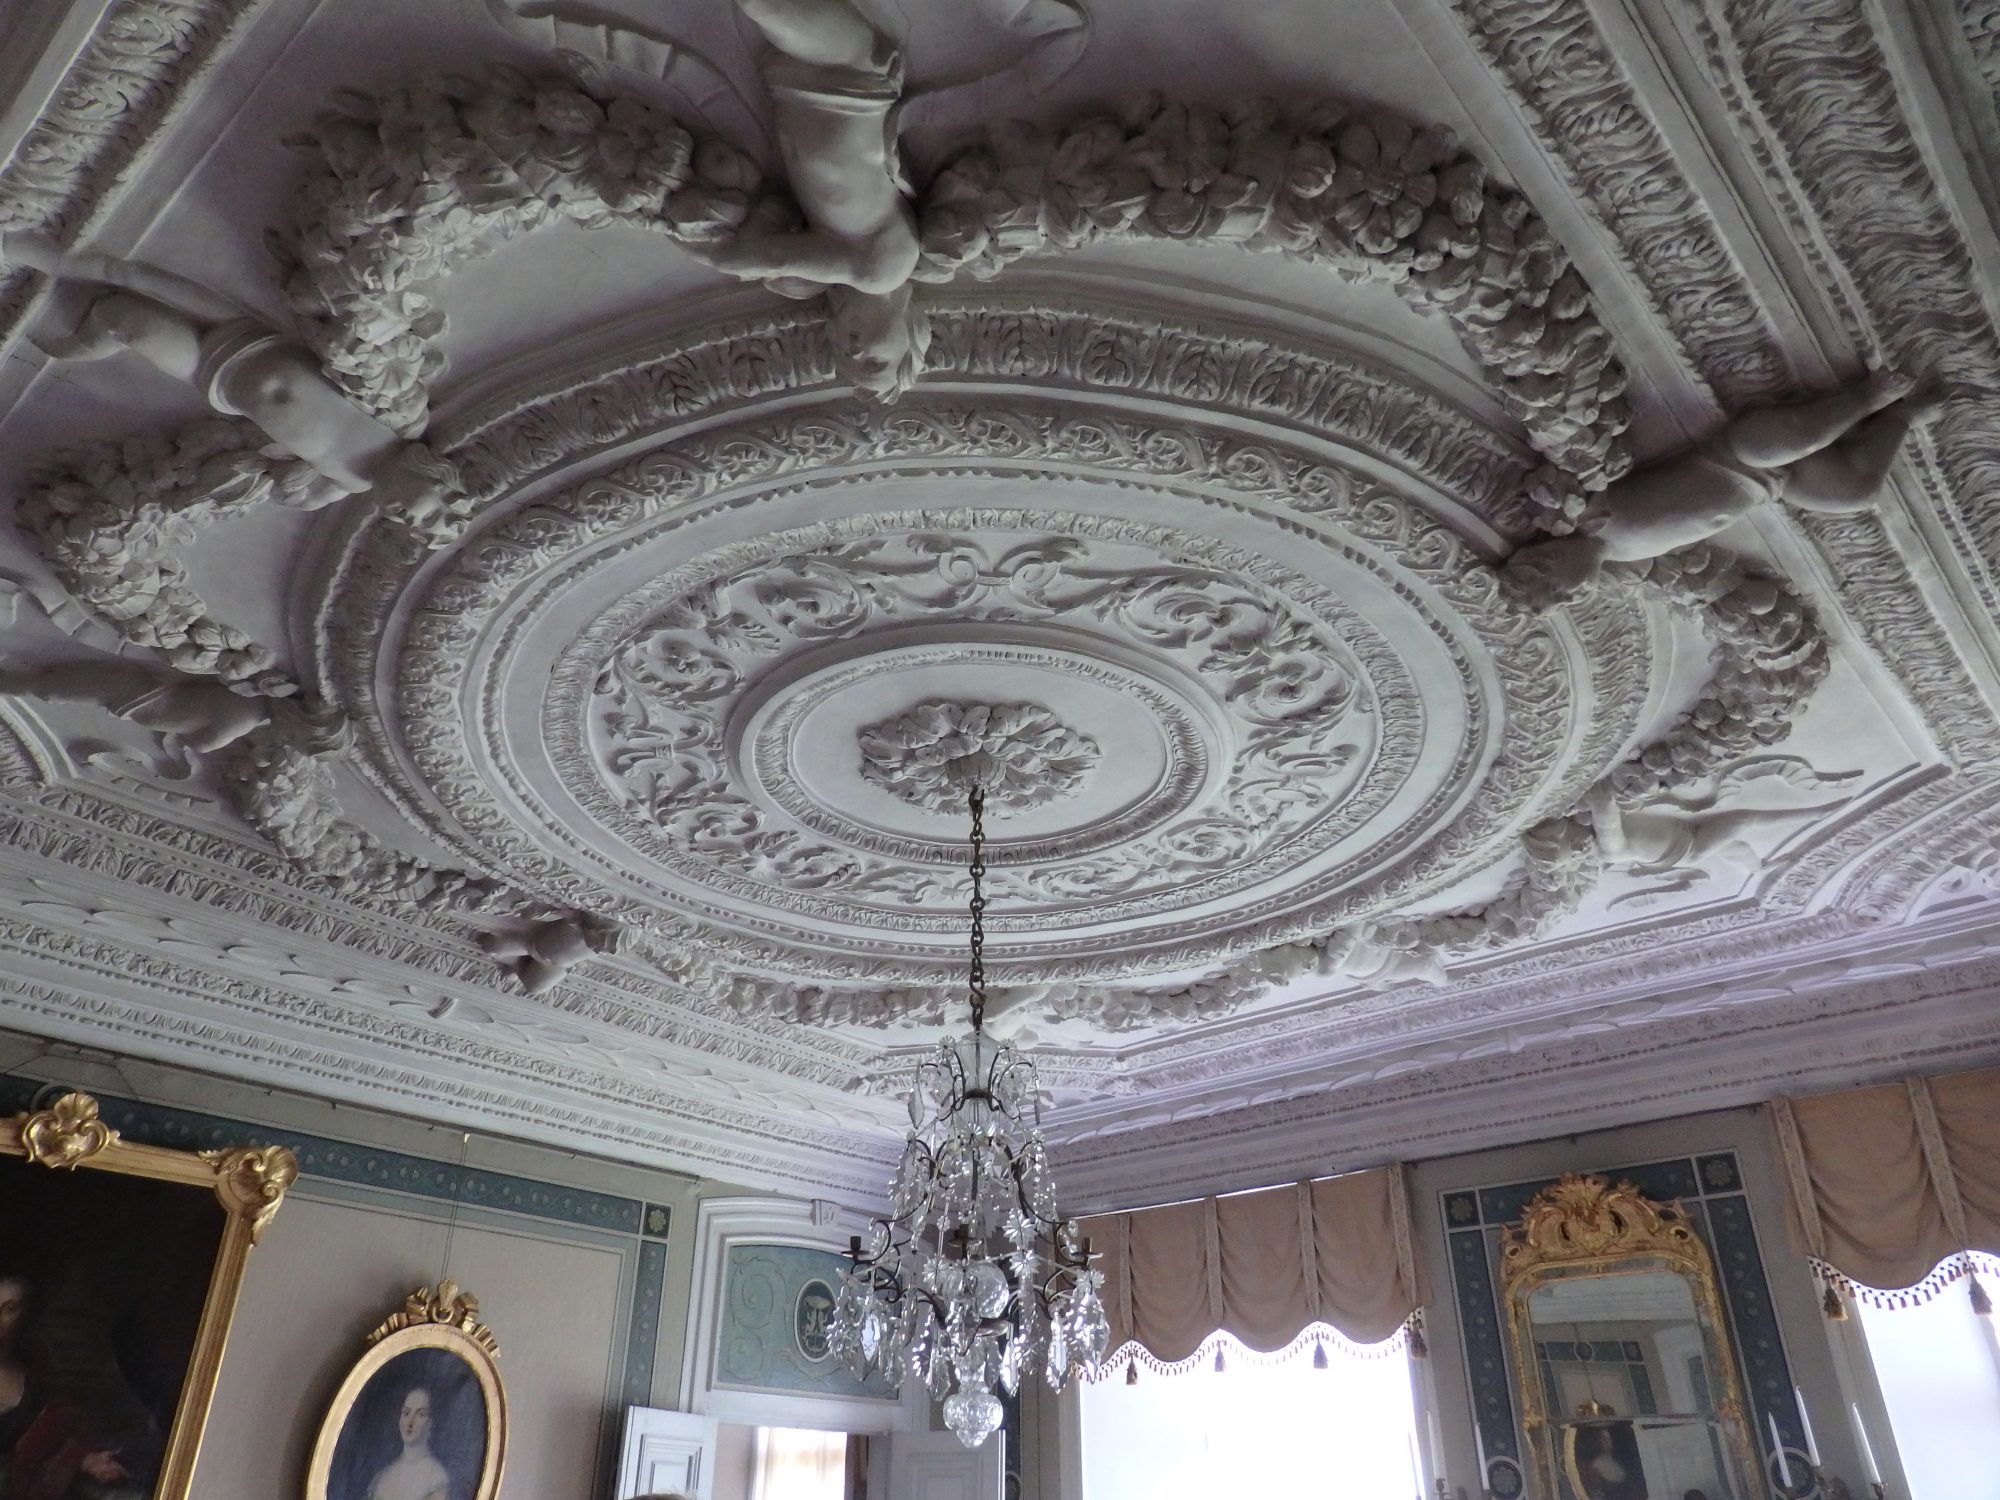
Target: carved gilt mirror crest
[(1623, 1368)]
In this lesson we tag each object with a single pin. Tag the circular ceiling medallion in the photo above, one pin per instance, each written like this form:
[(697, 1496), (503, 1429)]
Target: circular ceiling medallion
[(1250, 687)]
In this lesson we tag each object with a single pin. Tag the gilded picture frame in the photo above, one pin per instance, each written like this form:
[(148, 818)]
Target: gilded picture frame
[(1586, 1227), (80, 1200), (422, 1413)]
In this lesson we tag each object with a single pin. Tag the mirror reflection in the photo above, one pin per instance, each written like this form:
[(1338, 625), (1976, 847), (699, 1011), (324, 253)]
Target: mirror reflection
[(1628, 1389), (1624, 1372)]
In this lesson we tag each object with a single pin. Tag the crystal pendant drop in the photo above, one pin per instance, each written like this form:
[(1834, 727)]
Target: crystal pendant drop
[(974, 1416)]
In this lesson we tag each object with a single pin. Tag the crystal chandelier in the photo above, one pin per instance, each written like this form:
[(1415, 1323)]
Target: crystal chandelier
[(973, 1278)]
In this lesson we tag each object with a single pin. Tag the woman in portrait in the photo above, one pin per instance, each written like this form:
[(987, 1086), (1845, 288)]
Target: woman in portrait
[(50, 1448), (1607, 1461), (416, 1474)]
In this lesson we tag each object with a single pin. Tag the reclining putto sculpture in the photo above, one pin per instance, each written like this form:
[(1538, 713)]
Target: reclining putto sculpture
[(188, 713), (104, 306), (1828, 456)]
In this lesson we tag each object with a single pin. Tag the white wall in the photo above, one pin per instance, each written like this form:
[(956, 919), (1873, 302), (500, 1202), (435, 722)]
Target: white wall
[(329, 1271)]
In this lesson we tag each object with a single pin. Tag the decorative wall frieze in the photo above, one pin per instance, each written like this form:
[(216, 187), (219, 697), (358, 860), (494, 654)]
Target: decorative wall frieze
[(1534, 1086), (112, 847), (742, 1144), (131, 77)]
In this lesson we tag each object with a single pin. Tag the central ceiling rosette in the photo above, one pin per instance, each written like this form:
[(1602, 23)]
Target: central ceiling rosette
[(647, 682)]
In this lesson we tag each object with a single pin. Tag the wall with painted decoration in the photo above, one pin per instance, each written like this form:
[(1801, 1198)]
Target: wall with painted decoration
[(581, 1268)]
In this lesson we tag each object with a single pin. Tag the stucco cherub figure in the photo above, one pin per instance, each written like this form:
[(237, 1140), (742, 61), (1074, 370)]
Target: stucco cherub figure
[(103, 306), (1828, 456), (539, 954), (188, 713), (835, 84), (1674, 844)]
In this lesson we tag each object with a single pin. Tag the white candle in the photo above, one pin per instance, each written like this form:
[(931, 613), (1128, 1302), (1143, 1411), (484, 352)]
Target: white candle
[(1778, 1447), (1867, 1448), (1805, 1421), (1479, 1443), (1437, 1446)]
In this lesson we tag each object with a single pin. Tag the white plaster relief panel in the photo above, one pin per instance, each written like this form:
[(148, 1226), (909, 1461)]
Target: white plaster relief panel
[(494, 580)]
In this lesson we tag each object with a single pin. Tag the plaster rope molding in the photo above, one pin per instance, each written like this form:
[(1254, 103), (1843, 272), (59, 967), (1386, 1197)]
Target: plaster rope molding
[(1980, 21), (1370, 196), (1787, 70), (1584, 108), (140, 65), (1954, 828)]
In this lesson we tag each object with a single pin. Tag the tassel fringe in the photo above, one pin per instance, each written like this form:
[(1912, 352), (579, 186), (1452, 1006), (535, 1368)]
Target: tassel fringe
[(1319, 1356), (1132, 1373), (1982, 1305), (1832, 1306)]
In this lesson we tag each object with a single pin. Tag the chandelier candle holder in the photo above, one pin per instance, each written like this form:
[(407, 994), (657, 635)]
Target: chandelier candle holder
[(973, 1280)]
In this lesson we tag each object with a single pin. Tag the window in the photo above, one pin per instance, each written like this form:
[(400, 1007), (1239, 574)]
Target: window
[(1271, 1425), (1938, 1364), (795, 1463)]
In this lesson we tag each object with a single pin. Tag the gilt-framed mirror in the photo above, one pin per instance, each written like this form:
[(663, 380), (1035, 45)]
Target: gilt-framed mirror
[(1623, 1370)]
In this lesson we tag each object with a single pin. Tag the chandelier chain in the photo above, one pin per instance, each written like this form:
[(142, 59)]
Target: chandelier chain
[(976, 977)]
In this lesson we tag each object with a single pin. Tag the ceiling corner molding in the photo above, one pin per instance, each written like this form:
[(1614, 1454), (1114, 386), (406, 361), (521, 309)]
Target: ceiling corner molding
[(124, 86)]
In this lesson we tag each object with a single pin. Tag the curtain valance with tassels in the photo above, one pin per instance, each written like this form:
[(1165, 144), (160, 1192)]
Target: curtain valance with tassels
[(1891, 1185), (1263, 1266)]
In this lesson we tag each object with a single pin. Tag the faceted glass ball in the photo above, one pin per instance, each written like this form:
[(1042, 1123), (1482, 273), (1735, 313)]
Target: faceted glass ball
[(974, 1416), (988, 1290)]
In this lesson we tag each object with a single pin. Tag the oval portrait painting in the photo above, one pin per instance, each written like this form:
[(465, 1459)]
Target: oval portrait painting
[(420, 1417)]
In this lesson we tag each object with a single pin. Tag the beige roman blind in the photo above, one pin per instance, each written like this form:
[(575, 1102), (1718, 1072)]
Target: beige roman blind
[(1892, 1184), (1263, 1266)]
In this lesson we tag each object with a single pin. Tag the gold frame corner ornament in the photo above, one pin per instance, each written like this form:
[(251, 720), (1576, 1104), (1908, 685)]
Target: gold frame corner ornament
[(249, 1182), (444, 1317), (1588, 1226), (65, 1135)]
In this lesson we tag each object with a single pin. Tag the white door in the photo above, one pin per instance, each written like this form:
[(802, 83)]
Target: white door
[(666, 1453), (937, 1466)]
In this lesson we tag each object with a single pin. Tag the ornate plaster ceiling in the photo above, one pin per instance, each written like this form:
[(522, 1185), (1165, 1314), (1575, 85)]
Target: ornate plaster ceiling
[(508, 672)]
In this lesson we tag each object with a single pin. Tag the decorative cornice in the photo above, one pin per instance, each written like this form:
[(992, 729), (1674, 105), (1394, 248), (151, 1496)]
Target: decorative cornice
[(133, 75), (1809, 78), (1599, 133)]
